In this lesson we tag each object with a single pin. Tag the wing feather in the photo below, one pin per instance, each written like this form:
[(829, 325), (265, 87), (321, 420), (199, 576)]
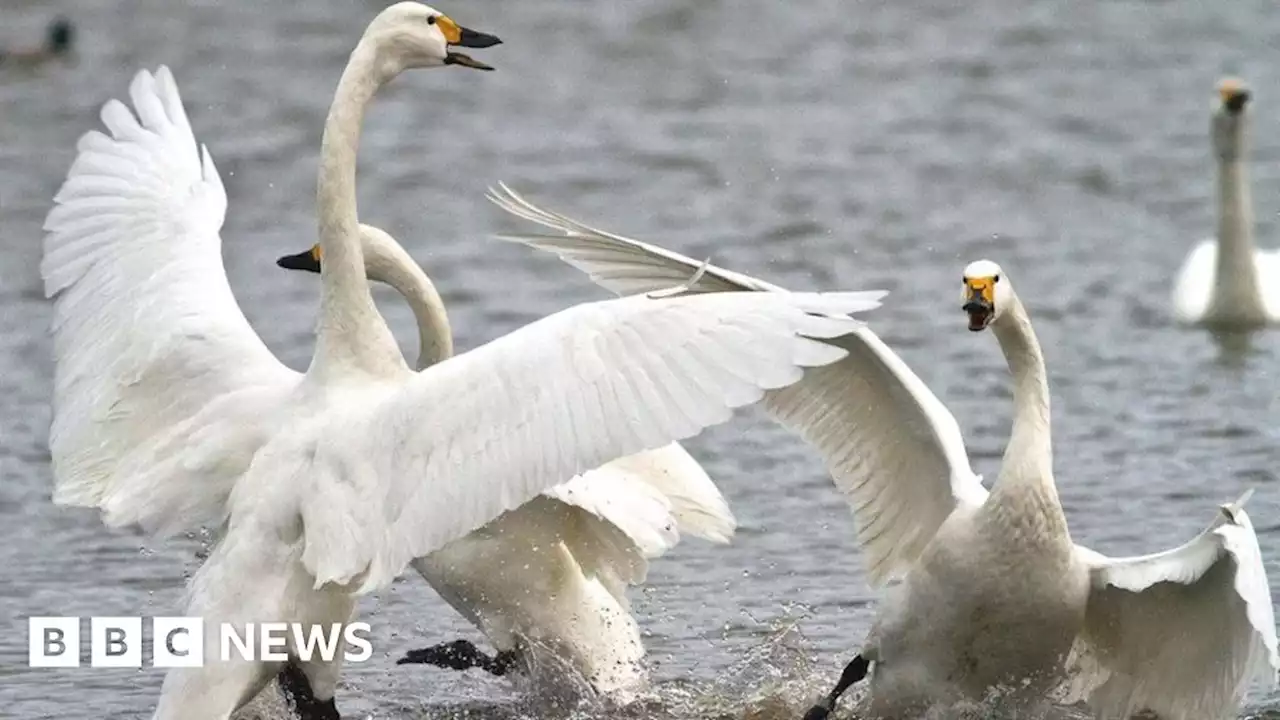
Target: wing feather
[(892, 447), (1181, 633), (483, 432), (146, 331)]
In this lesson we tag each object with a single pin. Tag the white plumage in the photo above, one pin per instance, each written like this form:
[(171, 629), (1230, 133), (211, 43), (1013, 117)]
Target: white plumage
[(926, 522), (330, 484), (547, 582)]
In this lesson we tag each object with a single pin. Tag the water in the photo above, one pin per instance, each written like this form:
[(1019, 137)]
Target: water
[(820, 145)]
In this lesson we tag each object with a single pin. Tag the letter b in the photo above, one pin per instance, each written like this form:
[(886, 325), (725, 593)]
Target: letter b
[(115, 642), (53, 642)]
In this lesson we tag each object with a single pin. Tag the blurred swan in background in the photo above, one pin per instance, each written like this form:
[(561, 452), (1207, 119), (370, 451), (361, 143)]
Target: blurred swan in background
[(171, 414), (58, 43), (550, 577), (1226, 282), (988, 590)]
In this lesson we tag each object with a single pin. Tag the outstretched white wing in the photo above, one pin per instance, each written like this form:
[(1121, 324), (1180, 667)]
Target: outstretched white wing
[(1182, 633), (146, 331), (483, 432), (645, 502), (697, 505), (892, 447), (641, 513)]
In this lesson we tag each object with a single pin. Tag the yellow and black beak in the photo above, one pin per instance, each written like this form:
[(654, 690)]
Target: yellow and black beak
[(458, 36), (980, 301), (308, 260), (1234, 95)]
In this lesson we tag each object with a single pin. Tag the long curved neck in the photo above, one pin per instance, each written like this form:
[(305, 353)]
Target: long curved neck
[(1235, 277), (435, 336), (1025, 495), (352, 335)]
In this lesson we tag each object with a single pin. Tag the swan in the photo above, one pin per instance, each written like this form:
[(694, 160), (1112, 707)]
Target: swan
[(1226, 282), (550, 577), (170, 414), (59, 37), (1181, 633)]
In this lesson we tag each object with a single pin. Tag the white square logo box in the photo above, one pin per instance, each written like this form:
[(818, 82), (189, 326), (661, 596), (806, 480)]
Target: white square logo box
[(177, 642), (115, 642), (53, 642)]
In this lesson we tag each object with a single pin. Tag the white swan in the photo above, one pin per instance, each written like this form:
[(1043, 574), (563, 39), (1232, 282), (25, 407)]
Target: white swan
[(989, 587), (1226, 282), (165, 400), (546, 582)]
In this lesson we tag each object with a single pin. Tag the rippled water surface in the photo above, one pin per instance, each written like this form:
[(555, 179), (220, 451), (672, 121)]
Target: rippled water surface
[(820, 144)]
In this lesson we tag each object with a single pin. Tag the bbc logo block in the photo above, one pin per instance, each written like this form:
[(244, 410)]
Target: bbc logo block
[(177, 642), (116, 642), (53, 642)]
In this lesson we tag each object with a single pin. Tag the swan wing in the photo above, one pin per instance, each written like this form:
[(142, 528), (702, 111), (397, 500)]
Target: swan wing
[(636, 509), (1183, 632), (398, 476), (612, 536), (694, 501), (147, 334), (892, 447), (1193, 288), (616, 263), (1268, 264)]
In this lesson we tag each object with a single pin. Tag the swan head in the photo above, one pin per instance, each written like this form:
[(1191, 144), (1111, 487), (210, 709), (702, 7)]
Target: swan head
[(986, 294), (1229, 117), (60, 35), (412, 35), (383, 256)]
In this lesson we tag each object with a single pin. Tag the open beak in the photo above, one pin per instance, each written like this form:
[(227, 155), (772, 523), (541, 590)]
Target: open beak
[(980, 306), (458, 36), (308, 260)]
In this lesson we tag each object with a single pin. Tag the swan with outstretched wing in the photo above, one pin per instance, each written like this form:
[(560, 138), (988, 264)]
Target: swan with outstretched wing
[(957, 626)]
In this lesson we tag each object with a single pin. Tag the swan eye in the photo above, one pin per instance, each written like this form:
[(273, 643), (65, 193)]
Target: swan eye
[(995, 278), (431, 19)]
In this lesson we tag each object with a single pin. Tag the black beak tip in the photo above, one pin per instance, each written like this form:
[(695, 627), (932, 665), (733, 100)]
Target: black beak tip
[(473, 39), (301, 261)]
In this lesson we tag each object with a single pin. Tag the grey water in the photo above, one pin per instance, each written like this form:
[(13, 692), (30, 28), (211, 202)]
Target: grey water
[(822, 144)]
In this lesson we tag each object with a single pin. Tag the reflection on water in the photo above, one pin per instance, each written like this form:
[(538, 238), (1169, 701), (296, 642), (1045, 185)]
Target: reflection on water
[(1234, 346), (819, 145)]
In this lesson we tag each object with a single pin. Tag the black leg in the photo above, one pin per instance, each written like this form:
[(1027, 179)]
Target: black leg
[(504, 662), (853, 672), (298, 694), (461, 655)]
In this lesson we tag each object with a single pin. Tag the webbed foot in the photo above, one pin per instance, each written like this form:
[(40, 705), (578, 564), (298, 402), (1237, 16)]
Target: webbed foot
[(461, 655)]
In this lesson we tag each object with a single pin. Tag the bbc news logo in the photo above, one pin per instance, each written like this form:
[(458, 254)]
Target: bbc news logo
[(54, 642)]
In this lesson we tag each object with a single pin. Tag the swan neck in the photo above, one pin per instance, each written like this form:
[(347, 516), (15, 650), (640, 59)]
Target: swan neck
[(352, 335), (1024, 491), (1235, 277), (435, 336)]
